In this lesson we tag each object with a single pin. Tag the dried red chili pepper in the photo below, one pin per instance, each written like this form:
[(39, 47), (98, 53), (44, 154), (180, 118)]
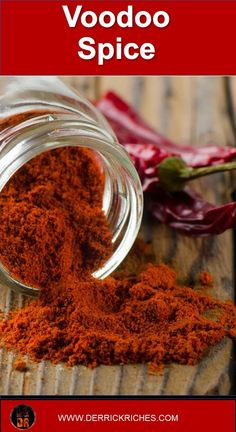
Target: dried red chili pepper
[(165, 167), (130, 128), (189, 213)]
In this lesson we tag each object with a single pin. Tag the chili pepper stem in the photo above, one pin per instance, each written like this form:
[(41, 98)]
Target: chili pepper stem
[(174, 173), (193, 173)]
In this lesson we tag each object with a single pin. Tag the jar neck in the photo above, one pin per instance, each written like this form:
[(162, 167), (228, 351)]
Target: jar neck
[(21, 95)]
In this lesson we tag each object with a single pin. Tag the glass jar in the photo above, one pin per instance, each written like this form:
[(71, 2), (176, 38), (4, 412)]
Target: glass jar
[(41, 113)]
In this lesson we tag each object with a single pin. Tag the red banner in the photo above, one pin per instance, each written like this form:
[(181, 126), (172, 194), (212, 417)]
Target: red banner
[(118, 415), (119, 37)]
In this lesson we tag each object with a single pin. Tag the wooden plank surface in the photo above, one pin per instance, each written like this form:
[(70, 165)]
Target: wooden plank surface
[(187, 110)]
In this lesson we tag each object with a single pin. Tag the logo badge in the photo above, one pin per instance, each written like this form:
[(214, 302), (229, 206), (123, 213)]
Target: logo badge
[(22, 417)]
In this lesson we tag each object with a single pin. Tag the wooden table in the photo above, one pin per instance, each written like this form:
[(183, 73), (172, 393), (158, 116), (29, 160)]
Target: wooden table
[(195, 110)]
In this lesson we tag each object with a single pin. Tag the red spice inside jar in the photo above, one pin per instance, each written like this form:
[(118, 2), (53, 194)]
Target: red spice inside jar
[(51, 219)]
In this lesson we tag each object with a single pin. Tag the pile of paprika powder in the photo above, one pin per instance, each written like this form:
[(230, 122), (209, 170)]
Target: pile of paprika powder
[(143, 318)]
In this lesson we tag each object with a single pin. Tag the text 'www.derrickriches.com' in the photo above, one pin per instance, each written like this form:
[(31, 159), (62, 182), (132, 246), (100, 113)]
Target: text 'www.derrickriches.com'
[(117, 417)]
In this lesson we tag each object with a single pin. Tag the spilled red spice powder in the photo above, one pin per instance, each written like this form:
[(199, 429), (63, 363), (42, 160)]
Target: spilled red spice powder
[(20, 365), (205, 278), (54, 234), (147, 318), (51, 218)]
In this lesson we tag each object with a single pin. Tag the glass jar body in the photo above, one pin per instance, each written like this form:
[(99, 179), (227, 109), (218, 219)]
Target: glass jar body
[(41, 114)]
